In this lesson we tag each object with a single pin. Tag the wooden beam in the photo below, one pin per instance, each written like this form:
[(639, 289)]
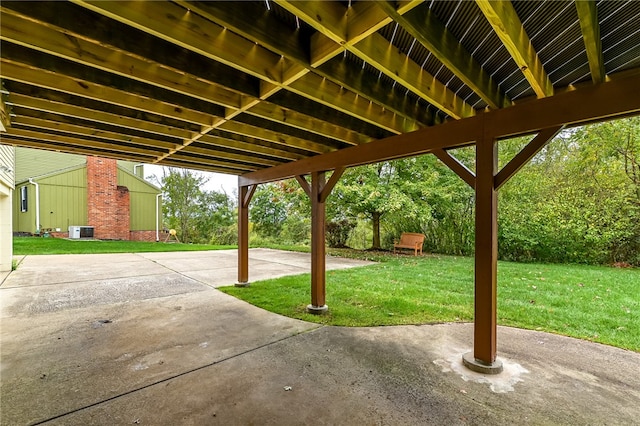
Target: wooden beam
[(14, 140), (331, 183), (24, 73), (429, 31), (456, 166), (508, 27), (377, 51), (301, 121), (249, 145), (525, 155), (67, 108), (304, 184), (328, 93), (362, 82), (588, 15), (601, 102), (73, 47), (198, 166), (205, 151), (74, 140), (274, 137), (179, 26), (188, 160), (83, 23), (329, 19), (254, 22), (5, 120), (76, 47)]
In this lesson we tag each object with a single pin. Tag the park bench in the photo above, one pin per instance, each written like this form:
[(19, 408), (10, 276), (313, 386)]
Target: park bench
[(410, 240)]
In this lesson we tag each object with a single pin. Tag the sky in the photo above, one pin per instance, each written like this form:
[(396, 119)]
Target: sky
[(217, 181)]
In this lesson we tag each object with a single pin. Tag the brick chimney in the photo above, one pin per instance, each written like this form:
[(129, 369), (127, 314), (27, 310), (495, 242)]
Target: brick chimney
[(107, 203)]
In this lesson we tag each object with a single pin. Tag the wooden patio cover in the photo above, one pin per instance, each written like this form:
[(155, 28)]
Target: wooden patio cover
[(268, 90)]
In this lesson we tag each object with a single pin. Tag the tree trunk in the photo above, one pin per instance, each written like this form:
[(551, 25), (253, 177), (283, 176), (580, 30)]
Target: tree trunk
[(376, 230)]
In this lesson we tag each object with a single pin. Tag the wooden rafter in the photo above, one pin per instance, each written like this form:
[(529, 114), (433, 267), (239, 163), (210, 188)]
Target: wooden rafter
[(427, 29), (75, 140), (327, 18), (262, 29), (508, 27), (179, 26), (588, 15), (24, 73)]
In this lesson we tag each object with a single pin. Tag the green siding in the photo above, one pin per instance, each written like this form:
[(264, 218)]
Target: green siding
[(24, 221), (62, 179), (63, 200), (31, 163), (142, 198), (130, 166)]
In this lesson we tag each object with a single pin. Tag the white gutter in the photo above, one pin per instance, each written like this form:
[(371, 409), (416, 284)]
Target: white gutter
[(158, 216), (37, 203)]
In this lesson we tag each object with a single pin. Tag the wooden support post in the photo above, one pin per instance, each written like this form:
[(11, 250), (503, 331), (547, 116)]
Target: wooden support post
[(245, 193), (483, 358), (318, 192), (318, 278)]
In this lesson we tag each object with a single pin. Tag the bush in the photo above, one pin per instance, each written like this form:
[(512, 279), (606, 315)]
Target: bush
[(338, 232), (225, 236)]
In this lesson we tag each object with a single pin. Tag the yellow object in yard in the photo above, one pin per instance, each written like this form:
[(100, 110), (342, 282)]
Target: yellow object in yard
[(172, 233)]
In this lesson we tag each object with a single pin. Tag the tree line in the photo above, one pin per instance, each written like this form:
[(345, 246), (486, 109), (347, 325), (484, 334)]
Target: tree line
[(577, 201)]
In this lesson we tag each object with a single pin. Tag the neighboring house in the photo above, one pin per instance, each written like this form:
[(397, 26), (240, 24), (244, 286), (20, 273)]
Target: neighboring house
[(7, 167), (55, 191)]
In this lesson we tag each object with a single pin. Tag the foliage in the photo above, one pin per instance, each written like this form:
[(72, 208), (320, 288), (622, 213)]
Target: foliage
[(577, 201), (338, 232), (198, 215), (273, 204), (375, 191), (588, 302)]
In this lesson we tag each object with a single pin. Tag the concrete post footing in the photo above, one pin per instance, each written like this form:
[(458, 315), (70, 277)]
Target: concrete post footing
[(244, 284), (317, 310), (479, 366)]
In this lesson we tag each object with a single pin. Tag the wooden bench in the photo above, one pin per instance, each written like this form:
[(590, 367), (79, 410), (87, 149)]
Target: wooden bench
[(411, 241)]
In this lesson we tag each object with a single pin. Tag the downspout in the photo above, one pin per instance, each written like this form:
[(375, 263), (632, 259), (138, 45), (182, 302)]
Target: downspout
[(158, 216), (37, 204)]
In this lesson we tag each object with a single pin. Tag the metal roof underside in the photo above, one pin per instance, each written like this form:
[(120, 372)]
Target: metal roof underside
[(236, 87)]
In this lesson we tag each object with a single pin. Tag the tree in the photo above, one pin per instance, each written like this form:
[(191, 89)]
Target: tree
[(195, 213), (281, 209), (180, 191), (374, 191)]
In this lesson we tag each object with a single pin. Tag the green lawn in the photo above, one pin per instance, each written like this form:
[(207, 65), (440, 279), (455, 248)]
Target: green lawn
[(595, 303), (35, 245)]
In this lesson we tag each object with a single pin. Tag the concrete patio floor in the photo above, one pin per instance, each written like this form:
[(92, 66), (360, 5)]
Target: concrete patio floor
[(146, 338)]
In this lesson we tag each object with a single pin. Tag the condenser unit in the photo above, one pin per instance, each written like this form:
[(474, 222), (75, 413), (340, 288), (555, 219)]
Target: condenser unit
[(81, 232)]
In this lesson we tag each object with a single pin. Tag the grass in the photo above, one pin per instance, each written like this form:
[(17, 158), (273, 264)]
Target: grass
[(595, 303), (35, 245)]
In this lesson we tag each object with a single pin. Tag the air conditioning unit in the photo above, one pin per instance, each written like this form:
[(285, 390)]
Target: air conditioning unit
[(81, 232)]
